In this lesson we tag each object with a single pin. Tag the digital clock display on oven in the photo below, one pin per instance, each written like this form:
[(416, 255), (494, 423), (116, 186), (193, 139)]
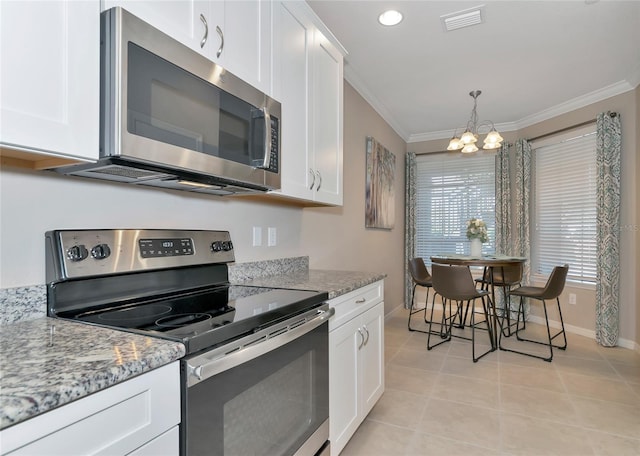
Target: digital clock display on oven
[(155, 248)]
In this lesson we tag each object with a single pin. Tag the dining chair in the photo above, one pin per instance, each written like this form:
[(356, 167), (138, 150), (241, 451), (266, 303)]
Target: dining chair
[(504, 277), (455, 284), (552, 290), (420, 277)]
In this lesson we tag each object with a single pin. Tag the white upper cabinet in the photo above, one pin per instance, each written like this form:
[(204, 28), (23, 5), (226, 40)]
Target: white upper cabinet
[(49, 78), (308, 81), (327, 117), (234, 34)]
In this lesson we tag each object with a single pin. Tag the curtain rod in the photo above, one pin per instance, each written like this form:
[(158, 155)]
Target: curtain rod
[(562, 130)]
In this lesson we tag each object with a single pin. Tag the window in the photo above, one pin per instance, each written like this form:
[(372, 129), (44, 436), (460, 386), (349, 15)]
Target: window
[(564, 205), (451, 189)]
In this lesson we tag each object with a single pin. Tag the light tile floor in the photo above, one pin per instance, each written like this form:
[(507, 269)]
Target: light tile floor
[(585, 402)]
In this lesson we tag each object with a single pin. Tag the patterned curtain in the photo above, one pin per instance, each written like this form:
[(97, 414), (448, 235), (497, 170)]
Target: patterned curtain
[(409, 223), (608, 150), (521, 245), (503, 200)]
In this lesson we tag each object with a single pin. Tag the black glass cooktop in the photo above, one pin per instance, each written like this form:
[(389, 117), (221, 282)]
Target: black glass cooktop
[(205, 318)]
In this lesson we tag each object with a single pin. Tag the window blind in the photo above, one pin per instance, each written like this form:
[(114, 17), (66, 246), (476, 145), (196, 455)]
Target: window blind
[(451, 189), (564, 207)]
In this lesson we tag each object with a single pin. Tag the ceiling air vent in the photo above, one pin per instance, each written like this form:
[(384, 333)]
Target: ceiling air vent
[(464, 18)]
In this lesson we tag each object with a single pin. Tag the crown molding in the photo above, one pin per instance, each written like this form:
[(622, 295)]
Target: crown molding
[(352, 78), (563, 108), (577, 103)]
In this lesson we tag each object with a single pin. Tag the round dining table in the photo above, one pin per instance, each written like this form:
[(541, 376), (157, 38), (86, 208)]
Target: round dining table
[(490, 263)]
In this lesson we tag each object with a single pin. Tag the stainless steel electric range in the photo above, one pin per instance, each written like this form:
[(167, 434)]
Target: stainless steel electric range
[(255, 376)]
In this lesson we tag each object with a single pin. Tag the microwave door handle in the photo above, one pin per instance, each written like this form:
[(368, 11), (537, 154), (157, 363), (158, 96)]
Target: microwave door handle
[(267, 139)]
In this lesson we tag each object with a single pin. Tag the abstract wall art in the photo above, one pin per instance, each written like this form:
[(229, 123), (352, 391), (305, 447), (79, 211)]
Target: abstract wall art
[(379, 191)]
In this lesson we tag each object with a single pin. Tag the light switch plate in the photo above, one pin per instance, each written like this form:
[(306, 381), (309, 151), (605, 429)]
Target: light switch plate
[(272, 240), (257, 236)]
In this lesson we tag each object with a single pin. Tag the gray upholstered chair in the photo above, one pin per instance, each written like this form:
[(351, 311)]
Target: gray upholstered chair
[(455, 284), (552, 290)]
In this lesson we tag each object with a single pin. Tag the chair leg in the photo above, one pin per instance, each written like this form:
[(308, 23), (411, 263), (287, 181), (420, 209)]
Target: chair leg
[(444, 335), (564, 335), (413, 311), (473, 331), (550, 338)]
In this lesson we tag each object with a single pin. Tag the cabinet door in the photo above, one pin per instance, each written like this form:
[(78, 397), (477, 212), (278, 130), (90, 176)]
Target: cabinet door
[(344, 348), (372, 359), (116, 420), (291, 71), (247, 42), (180, 19), (327, 120), (49, 77)]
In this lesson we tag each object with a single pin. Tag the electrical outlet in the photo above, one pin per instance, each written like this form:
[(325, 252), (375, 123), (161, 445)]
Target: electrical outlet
[(572, 298), (271, 234), (257, 236)]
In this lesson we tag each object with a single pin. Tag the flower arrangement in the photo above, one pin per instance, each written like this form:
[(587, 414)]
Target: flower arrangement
[(477, 229)]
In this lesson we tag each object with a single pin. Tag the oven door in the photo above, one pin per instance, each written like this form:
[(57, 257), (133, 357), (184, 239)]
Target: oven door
[(267, 394)]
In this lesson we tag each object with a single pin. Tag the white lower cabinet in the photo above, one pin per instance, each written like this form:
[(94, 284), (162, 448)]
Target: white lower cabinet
[(356, 361), (139, 416)]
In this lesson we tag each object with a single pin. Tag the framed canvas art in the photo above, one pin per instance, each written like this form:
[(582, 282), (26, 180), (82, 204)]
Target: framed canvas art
[(379, 191)]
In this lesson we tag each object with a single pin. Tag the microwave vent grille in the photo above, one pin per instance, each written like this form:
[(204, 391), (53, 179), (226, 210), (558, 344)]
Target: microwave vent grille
[(124, 171)]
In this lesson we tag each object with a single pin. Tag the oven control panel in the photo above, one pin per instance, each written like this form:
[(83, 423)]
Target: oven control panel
[(156, 248), (83, 253)]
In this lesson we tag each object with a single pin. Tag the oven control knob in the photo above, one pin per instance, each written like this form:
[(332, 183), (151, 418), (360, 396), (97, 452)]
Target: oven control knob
[(100, 251), (77, 253), (216, 246)]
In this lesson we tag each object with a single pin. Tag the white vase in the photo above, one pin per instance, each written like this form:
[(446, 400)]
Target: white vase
[(476, 248)]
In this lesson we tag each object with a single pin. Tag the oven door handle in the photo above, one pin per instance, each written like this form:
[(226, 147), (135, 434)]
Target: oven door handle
[(202, 367)]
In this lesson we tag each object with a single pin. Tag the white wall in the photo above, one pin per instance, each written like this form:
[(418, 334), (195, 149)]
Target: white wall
[(32, 202)]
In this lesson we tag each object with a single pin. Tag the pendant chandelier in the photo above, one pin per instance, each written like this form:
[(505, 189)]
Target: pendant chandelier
[(467, 141)]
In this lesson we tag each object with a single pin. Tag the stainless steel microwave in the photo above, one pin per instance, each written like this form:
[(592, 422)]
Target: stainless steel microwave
[(172, 118)]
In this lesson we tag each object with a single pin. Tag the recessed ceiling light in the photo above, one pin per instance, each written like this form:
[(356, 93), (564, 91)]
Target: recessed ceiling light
[(390, 17)]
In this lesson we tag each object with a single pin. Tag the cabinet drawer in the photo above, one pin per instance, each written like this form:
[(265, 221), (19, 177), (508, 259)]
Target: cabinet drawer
[(355, 302), (116, 420)]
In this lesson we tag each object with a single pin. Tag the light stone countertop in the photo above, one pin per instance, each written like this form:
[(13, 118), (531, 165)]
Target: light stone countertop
[(335, 283), (40, 371), (36, 376)]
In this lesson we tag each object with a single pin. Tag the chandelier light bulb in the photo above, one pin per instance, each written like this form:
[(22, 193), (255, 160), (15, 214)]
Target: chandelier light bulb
[(493, 137), (469, 148), (489, 146), (455, 144), (468, 138)]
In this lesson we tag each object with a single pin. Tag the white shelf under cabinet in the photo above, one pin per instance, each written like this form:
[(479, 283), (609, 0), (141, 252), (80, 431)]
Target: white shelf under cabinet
[(356, 360), (125, 418)]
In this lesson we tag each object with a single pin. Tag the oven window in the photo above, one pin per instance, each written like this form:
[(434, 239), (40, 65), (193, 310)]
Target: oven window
[(269, 405), (171, 105)]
